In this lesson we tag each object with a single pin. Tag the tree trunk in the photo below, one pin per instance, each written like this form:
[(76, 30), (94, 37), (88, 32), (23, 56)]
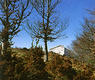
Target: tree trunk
[(6, 45), (5, 37), (46, 50)]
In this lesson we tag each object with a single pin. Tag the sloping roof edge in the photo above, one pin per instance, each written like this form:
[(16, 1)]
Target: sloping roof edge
[(57, 46)]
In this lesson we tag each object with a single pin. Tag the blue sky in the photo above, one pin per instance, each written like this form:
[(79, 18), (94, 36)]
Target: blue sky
[(75, 10)]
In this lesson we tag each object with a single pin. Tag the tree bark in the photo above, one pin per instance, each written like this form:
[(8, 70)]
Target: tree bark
[(5, 41), (45, 36), (46, 50), (46, 47)]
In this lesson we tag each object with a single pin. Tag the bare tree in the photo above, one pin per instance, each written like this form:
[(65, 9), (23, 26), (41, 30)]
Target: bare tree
[(92, 12), (12, 14), (48, 27), (84, 45)]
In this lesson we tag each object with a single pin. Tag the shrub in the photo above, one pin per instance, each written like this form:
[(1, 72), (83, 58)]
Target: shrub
[(35, 65), (60, 68)]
